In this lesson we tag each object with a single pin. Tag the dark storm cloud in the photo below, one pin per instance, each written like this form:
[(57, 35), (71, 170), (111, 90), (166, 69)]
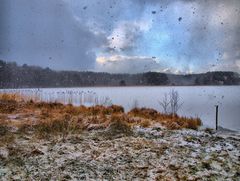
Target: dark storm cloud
[(45, 33)]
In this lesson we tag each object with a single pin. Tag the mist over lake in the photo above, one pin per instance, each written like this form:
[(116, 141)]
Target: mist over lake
[(198, 101)]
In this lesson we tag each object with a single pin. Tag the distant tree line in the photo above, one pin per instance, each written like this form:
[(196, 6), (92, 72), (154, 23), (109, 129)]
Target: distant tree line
[(25, 76)]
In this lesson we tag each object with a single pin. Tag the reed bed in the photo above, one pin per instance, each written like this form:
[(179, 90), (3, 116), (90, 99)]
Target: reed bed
[(75, 97)]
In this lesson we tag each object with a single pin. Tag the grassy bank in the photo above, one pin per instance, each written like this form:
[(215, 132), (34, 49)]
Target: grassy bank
[(44, 118)]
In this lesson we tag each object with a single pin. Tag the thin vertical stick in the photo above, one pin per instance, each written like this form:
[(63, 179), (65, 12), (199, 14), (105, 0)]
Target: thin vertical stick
[(216, 117)]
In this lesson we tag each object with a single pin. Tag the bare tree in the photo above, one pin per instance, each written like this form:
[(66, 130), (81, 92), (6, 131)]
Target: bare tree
[(165, 103), (172, 104), (175, 102)]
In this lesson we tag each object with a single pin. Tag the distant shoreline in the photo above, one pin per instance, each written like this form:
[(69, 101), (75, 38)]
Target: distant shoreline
[(15, 76)]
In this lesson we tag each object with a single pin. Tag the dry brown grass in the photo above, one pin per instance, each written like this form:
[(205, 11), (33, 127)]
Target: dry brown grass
[(45, 105), (10, 97), (58, 126), (182, 122), (55, 118), (8, 106), (144, 112), (145, 123), (70, 109), (78, 110), (98, 110), (167, 120), (68, 124), (9, 102)]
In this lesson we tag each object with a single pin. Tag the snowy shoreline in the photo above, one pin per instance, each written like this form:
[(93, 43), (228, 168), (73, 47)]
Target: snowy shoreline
[(148, 154)]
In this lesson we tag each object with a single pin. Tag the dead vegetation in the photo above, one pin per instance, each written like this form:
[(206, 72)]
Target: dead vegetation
[(117, 127), (10, 97), (8, 106), (54, 118), (170, 121)]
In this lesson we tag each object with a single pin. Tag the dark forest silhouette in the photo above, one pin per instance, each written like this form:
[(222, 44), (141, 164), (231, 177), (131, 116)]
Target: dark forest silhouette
[(25, 76)]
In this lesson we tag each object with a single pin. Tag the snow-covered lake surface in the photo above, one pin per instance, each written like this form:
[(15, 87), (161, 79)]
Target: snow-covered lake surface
[(198, 101)]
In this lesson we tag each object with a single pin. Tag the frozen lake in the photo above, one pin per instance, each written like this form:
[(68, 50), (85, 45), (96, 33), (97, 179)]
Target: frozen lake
[(198, 101)]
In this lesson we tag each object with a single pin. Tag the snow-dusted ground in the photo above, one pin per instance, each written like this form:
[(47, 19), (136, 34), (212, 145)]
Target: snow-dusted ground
[(148, 154), (197, 101)]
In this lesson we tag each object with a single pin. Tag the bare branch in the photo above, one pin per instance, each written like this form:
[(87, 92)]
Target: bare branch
[(171, 105)]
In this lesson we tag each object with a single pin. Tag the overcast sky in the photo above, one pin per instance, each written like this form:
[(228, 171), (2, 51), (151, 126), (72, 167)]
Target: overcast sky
[(119, 36)]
